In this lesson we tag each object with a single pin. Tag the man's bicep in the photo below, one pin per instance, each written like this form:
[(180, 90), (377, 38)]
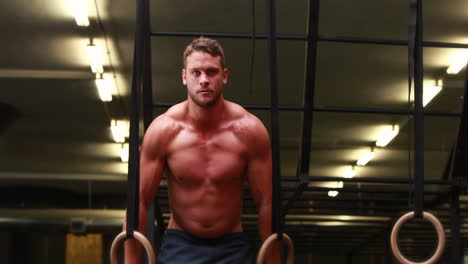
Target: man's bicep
[(259, 177), (151, 171), (260, 167), (152, 162)]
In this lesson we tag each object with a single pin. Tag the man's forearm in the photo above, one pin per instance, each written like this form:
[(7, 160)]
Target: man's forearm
[(133, 247), (264, 219), (132, 252)]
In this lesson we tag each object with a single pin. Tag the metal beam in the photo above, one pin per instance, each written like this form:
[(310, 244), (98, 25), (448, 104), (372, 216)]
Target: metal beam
[(331, 109), (460, 165), (63, 216), (455, 223), (19, 176), (303, 38), (45, 74), (379, 180)]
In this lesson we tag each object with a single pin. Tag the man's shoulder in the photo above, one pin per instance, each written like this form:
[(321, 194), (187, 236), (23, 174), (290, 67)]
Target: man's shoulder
[(238, 112), (168, 122), (251, 131), (245, 123)]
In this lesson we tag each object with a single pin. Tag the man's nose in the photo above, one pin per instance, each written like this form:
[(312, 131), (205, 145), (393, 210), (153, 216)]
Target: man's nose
[(204, 80)]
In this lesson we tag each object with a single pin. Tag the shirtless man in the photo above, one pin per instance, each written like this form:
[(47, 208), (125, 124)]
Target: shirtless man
[(206, 145)]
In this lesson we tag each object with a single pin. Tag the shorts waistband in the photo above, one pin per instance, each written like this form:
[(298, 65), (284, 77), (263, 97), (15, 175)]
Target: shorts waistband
[(188, 236)]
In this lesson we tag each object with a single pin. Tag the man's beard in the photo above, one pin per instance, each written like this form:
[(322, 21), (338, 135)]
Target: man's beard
[(208, 103)]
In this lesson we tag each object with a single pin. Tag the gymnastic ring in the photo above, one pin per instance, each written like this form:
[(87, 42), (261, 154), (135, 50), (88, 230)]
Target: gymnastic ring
[(396, 229), (140, 238), (267, 243)]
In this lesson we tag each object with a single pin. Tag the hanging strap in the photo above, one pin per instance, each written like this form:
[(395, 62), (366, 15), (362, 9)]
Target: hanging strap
[(415, 67), (147, 103), (309, 90), (252, 57), (133, 164), (413, 17), (275, 142), (309, 94)]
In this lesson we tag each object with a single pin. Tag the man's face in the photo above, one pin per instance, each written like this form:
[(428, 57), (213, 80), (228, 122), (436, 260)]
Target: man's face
[(204, 78)]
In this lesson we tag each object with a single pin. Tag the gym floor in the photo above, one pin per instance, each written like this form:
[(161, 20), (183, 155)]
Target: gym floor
[(61, 171)]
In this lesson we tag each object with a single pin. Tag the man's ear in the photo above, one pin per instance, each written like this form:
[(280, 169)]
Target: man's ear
[(225, 76), (184, 81)]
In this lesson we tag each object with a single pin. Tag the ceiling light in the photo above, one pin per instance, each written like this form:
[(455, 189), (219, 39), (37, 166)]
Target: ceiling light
[(431, 89), (293, 217), (79, 9), (333, 193), (94, 55), (124, 152), (365, 158), (349, 172), (104, 87), (331, 184), (336, 185), (429, 93), (333, 223), (119, 130), (458, 62), (387, 135)]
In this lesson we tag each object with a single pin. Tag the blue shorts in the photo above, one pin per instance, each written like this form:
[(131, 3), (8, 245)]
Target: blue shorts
[(180, 247)]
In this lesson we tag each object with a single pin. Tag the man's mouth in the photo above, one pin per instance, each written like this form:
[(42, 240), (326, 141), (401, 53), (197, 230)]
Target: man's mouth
[(204, 91)]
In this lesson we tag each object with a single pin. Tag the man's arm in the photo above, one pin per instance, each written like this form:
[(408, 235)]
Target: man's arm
[(259, 173), (152, 160)]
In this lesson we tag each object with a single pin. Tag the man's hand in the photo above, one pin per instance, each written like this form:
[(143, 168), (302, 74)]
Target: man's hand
[(273, 255)]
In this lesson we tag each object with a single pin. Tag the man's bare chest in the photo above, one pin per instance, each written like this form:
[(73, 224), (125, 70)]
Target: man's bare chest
[(196, 158)]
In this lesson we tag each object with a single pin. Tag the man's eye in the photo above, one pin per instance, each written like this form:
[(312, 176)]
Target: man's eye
[(196, 73), (212, 72)]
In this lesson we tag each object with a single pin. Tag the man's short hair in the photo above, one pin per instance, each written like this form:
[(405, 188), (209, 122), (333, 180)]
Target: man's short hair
[(207, 45)]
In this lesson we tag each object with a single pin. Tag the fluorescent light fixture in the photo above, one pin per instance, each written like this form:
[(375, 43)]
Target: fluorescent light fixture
[(119, 130), (349, 172), (124, 152), (336, 185), (331, 223), (327, 217), (330, 184), (365, 158), (429, 93), (430, 90), (79, 9), (94, 55), (387, 135), (104, 87), (333, 193), (458, 62)]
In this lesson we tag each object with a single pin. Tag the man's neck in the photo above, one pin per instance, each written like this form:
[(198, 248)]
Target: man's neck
[(207, 117)]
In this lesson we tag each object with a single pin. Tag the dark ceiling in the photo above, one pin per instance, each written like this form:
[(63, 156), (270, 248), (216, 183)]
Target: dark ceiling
[(57, 153)]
